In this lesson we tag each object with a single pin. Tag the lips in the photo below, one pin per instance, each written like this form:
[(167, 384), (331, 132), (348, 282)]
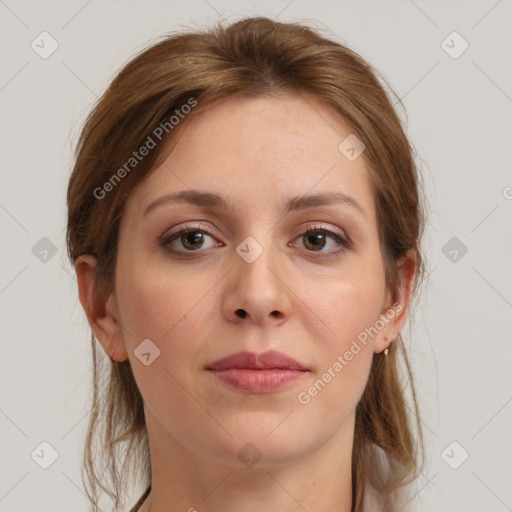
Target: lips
[(257, 373), (268, 360)]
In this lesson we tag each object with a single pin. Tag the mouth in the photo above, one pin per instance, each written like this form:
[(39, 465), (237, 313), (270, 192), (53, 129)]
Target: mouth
[(257, 373)]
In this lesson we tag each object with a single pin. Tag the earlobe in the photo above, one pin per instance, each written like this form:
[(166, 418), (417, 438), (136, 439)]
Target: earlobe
[(102, 316)]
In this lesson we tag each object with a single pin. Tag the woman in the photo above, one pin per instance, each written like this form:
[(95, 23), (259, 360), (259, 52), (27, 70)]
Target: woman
[(245, 224)]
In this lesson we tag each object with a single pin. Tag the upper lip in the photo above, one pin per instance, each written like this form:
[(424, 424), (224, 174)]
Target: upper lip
[(249, 360)]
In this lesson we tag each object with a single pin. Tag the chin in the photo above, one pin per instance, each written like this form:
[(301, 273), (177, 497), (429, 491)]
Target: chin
[(265, 444)]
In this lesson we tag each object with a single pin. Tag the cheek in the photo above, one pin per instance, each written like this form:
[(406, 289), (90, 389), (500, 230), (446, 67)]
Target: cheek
[(173, 311), (161, 307), (342, 308), (349, 309), (332, 393), (172, 315)]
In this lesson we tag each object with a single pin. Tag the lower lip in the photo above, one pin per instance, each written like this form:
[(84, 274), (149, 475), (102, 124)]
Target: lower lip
[(258, 381)]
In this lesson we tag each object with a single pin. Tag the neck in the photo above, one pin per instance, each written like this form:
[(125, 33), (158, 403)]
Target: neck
[(186, 481)]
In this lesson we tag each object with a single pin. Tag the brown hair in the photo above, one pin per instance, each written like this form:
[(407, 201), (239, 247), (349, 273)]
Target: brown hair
[(255, 57)]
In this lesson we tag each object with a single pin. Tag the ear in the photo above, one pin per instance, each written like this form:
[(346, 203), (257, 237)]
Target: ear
[(102, 317), (396, 308)]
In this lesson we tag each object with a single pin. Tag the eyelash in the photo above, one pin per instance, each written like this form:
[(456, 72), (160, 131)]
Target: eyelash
[(343, 243)]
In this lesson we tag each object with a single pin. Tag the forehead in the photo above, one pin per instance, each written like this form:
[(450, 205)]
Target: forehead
[(269, 148)]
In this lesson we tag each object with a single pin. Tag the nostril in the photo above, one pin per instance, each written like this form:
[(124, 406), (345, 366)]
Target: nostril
[(241, 313)]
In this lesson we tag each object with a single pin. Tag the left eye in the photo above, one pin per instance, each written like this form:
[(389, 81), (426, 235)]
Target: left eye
[(316, 239)]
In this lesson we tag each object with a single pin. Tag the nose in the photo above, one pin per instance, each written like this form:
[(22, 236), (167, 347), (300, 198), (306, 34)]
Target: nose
[(257, 291)]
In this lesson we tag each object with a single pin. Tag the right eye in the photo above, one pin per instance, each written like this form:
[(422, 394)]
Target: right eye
[(186, 239)]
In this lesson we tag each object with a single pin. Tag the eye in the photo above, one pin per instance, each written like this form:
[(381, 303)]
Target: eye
[(317, 238), (186, 239)]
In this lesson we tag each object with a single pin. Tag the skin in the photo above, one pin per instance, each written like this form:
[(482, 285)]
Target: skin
[(187, 307)]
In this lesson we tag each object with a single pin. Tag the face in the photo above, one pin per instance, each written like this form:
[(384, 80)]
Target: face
[(249, 277)]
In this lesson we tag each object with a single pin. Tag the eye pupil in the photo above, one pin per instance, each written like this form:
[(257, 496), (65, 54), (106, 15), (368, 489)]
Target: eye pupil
[(195, 236), (316, 238)]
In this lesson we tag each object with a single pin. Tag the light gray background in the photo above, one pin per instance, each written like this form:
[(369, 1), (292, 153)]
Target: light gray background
[(459, 113)]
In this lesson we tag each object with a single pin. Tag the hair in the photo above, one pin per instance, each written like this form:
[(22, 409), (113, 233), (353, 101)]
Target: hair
[(253, 57)]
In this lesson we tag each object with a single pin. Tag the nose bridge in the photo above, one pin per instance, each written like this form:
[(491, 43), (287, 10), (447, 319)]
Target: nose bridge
[(257, 257)]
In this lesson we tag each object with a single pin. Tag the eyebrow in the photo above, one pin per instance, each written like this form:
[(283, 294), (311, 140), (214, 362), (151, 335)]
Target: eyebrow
[(215, 201)]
